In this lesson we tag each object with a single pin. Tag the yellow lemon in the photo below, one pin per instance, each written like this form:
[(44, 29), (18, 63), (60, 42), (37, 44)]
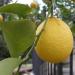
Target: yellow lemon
[(1, 18), (47, 1), (55, 42), (34, 5), (72, 0)]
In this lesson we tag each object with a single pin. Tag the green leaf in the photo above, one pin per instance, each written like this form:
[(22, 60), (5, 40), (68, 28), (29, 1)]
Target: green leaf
[(12, 17), (8, 65), (16, 8), (73, 28), (19, 35), (65, 12)]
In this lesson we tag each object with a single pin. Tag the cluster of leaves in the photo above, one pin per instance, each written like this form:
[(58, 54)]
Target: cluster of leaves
[(67, 9), (19, 35)]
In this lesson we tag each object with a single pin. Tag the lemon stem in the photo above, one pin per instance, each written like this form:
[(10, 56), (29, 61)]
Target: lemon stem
[(38, 36), (26, 57), (52, 7), (16, 1), (49, 11)]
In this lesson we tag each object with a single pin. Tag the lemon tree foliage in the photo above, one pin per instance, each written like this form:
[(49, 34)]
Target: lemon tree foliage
[(8, 65), (19, 35), (55, 42), (68, 13), (16, 8), (66, 8), (73, 28)]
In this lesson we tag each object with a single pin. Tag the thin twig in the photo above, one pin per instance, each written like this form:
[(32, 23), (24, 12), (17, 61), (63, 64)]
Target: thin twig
[(38, 36), (26, 57), (52, 7), (16, 1)]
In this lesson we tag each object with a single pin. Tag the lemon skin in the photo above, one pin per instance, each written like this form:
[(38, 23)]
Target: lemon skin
[(55, 42)]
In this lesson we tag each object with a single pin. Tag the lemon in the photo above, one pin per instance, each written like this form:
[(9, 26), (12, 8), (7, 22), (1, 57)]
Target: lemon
[(72, 0), (1, 18), (55, 42), (47, 1), (34, 5)]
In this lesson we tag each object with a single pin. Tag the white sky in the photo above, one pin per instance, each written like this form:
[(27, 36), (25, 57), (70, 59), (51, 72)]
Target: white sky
[(23, 1), (29, 2)]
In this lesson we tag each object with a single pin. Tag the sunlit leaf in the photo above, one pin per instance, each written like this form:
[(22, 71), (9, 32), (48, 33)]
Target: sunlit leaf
[(19, 35), (65, 13), (8, 65), (16, 8)]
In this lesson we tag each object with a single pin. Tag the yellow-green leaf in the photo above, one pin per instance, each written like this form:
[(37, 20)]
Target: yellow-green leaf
[(16, 8), (19, 35), (8, 65)]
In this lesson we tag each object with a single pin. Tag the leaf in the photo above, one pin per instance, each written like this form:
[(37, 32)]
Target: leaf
[(8, 65), (73, 28), (19, 35), (16, 8), (66, 12), (12, 17)]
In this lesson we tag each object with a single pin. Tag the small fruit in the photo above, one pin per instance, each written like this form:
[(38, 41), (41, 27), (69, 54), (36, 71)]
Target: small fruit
[(55, 42), (73, 0), (1, 18), (34, 5), (47, 1)]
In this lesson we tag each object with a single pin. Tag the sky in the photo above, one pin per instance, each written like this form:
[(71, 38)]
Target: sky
[(29, 2)]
